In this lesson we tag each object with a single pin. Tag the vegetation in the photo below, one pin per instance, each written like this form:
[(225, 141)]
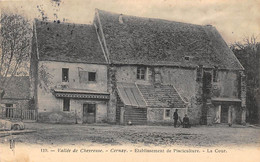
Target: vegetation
[(15, 37), (248, 53)]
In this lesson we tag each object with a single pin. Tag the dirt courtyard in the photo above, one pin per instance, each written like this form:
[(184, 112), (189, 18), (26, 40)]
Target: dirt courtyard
[(204, 136)]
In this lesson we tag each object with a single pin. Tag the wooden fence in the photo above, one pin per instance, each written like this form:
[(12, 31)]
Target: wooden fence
[(15, 113)]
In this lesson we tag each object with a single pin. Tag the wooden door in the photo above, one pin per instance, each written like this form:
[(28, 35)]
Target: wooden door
[(224, 113), (89, 113)]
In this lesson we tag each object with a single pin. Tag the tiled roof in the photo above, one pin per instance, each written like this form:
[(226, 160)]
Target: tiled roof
[(18, 88), (68, 43), (149, 41), (130, 95), (138, 95), (161, 96)]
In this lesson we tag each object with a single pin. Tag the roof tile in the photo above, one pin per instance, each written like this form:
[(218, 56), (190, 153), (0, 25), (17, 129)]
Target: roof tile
[(68, 42), (18, 88), (149, 41)]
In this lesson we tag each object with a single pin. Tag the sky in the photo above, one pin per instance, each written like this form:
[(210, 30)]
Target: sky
[(234, 19)]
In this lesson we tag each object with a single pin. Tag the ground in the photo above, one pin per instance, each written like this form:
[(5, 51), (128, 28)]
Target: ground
[(204, 136)]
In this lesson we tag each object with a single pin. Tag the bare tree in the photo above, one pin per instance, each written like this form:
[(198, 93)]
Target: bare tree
[(15, 37), (56, 6), (248, 53)]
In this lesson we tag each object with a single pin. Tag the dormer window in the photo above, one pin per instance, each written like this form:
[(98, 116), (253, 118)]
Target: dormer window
[(141, 73), (187, 58)]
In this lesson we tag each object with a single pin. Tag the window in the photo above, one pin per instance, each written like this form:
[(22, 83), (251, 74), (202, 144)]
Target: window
[(66, 104), (85, 76), (92, 76), (65, 74), (141, 73), (187, 58), (199, 73), (215, 74), (167, 114), (9, 105), (9, 111)]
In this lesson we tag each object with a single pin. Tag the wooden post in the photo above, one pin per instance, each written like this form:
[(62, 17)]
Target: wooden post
[(122, 114), (218, 114), (229, 115)]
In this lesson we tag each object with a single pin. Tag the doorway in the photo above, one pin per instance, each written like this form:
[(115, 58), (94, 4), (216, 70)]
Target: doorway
[(89, 113), (224, 113)]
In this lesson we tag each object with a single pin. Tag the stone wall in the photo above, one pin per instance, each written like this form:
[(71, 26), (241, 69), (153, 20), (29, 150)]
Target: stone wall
[(50, 77), (184, 80), (111, 83), (157, 115), (75, 115), (186, 83), (226, 85)]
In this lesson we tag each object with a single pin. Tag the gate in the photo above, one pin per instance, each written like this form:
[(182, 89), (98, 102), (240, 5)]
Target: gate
[(16, 113)]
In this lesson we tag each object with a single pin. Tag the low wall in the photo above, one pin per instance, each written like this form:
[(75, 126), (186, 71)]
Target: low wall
[(58, 117), (156, 116)]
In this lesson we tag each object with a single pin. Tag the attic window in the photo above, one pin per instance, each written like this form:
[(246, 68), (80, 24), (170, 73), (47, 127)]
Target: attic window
[(187, 58)]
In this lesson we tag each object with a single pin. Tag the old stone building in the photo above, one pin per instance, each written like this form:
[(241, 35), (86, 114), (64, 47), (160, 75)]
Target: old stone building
[(69, 73), (16, 101), (157, 66), (143, 69)]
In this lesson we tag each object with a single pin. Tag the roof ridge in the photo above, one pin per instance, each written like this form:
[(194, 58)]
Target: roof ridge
[(64, 23), (149, 18)]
